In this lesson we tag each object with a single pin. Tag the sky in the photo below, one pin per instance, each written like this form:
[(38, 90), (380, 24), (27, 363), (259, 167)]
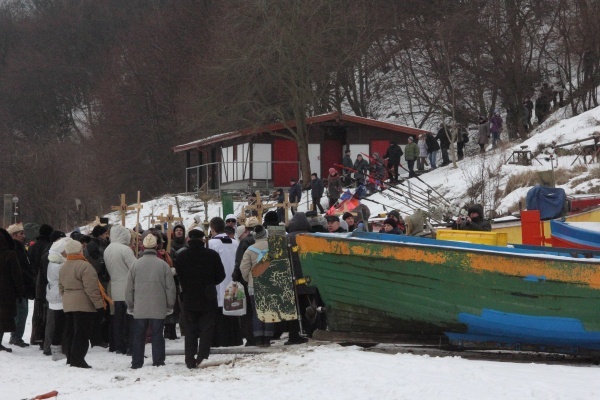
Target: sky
[(316, 370)]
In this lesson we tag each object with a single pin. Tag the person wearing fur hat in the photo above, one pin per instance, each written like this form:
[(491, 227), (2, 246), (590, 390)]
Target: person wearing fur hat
[(263, 331), (79, 288), (473, 221), (150, 297), (334, 186), (17, 231), (391, 227), (200, 270), (11, 285), (56, 259), (119, 258), (36, 251)]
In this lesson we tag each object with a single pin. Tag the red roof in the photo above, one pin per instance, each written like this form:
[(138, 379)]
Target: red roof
[(278, 126)]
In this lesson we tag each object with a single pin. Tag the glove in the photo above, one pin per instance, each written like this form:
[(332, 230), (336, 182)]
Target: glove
[(237, 275)]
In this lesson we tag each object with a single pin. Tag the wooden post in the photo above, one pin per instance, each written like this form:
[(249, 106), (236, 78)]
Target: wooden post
[(169, 219), (123, 208), (138, 206), (286, 205), (259, 206)]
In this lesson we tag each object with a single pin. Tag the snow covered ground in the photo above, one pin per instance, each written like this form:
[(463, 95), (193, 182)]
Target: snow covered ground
[(326, 371)]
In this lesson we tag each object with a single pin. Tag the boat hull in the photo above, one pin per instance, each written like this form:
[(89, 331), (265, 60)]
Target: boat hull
[(576, 237), (395, 284)]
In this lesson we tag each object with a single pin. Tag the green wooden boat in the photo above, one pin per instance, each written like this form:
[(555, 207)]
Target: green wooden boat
[(389, 284)]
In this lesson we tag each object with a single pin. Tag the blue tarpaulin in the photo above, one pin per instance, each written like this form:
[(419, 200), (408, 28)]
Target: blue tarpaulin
[(550, 201)]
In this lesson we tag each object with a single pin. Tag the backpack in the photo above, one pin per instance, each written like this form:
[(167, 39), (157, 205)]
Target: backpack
[(262, 263)]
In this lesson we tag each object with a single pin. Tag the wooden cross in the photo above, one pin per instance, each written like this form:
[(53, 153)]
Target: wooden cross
[(286, 205), (123, 208), (169, 219), (138, 207), (259, 206)]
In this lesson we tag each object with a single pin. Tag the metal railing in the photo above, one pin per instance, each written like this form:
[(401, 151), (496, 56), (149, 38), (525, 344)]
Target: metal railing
[(211, 177)]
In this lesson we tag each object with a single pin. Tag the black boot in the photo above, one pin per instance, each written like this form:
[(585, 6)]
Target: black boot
[(6, 349)]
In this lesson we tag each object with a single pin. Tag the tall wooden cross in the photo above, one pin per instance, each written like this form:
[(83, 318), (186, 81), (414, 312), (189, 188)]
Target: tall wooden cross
[(286, 206), (123, 208), (138, 207), (169, 219), (259, 206)]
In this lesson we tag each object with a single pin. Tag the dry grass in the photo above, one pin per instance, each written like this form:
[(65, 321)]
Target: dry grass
[(529, 178)]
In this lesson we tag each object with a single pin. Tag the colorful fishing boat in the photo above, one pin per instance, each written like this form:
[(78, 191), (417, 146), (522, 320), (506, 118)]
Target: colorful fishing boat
[(513, 297), (577, 235)]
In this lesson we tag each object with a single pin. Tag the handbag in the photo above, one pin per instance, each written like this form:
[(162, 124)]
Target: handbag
[(234, 300)]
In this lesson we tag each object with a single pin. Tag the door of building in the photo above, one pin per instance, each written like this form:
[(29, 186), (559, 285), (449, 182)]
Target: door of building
[(331, 153), (285, 162)]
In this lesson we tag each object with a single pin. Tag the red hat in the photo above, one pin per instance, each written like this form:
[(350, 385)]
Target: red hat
[(332, 171)]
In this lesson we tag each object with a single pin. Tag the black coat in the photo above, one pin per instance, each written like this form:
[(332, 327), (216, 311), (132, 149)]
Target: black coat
[(199, 270), (37, 250), (11, 282), (432, 143), (26, 272), (443, 138), (316, 187), (295, 193), (393, 154)]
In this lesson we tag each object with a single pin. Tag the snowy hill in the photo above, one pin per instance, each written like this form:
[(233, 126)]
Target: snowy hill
[(454, 185)]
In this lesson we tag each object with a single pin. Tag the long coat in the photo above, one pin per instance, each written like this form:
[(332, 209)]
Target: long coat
[(199, 270), (484, 132), (11, 282), (118, 258)]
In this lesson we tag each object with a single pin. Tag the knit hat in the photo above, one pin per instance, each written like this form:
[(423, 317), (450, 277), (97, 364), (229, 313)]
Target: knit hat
[(390, 222), (230, 216), (45, 230), (395, 213), (99, 230), (332, 218), (149, 241), (72, 246), (332, 171), (410, 138), (271, 219), (14, 228), (259, 232), (195, 233), (346, 215), (251, 222), (59, 245)]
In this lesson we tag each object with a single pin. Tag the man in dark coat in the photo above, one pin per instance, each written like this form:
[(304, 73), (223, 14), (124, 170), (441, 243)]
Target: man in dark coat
[(17, 231), (443, 136), (36, 251), (316, 192), (474, 221), (199, 270), (11, 285), (432, 148), (295, 193), (348, 164), (393, 155)]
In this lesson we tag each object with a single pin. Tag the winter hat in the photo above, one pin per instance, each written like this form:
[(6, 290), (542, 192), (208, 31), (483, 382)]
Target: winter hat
[(332, 218), (271, 219), (14, 228), (149, 241), (59, 245), (45, 230), (72, 246), (347, 215), (332, 171), (230, 216), (179, 227), (394, 213), (259, 232), (251, 222), (410, 139), (196, 233), (391, 222), (99, 230), (55, 235), (197, 219)]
